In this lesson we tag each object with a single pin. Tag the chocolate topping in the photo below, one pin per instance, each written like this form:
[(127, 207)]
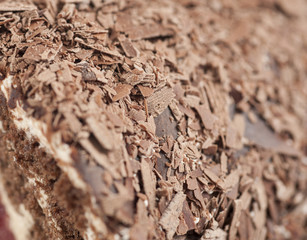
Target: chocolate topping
[(181, 118)]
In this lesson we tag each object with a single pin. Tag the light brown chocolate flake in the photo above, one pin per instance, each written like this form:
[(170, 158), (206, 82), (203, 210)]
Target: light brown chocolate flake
[(239, 121), (146, 91), (232, 179), (198, 196), (100, 75), (182, 227), (123, 21), (187, 111), (149, 183), (132, 78), (128, 48), (67, 11), (102, 133), (236, 219), (233, 193), (115, 119), (246, 229), (178, 90), (223, 163), (233, 138), (143, 225), (99, 48), (175, 110), (149, 126), (219, 182), (16, 6), (122, 90), (84, 54), (137, 77), (38, 52), (192, 183), (49, 76), (148, 31), (105, 19), (170, 218), (137, 115), (188, 216), (119, 207), (206, 116), (159, 101), (64, 74)]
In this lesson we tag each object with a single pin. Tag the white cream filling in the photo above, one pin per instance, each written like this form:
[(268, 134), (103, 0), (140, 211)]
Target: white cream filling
[(20, 221), (60, 151), (89, 234)]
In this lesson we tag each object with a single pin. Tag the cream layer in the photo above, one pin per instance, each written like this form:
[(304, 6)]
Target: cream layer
[(20, 220)]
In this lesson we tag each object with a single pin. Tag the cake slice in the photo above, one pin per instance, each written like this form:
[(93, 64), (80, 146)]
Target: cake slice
[(153, 119)]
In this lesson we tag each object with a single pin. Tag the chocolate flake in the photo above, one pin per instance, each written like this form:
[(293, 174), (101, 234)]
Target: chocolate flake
[(236, 219), (146, 91), (122, 90), (103, 135), (159, 101), (128, 48), (206, 117), (170, 218), (148, 31), (149, 184), (17, 6)]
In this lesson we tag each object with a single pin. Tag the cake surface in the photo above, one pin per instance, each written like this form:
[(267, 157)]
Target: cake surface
[(177, 119)]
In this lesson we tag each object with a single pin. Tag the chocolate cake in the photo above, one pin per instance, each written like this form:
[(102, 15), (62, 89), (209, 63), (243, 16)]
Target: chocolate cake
[(142, 120)]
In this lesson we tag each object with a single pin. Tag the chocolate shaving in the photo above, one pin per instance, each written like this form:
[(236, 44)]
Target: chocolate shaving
[(128, 48), (188, 216), (159, 101), (215, 178), (103, 135), (206, 117), (138, 77), (236, 219), (146, 91), (149, 184), (98, 47), (148, 31), (170, 218), (122, 90), (17, 6)]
